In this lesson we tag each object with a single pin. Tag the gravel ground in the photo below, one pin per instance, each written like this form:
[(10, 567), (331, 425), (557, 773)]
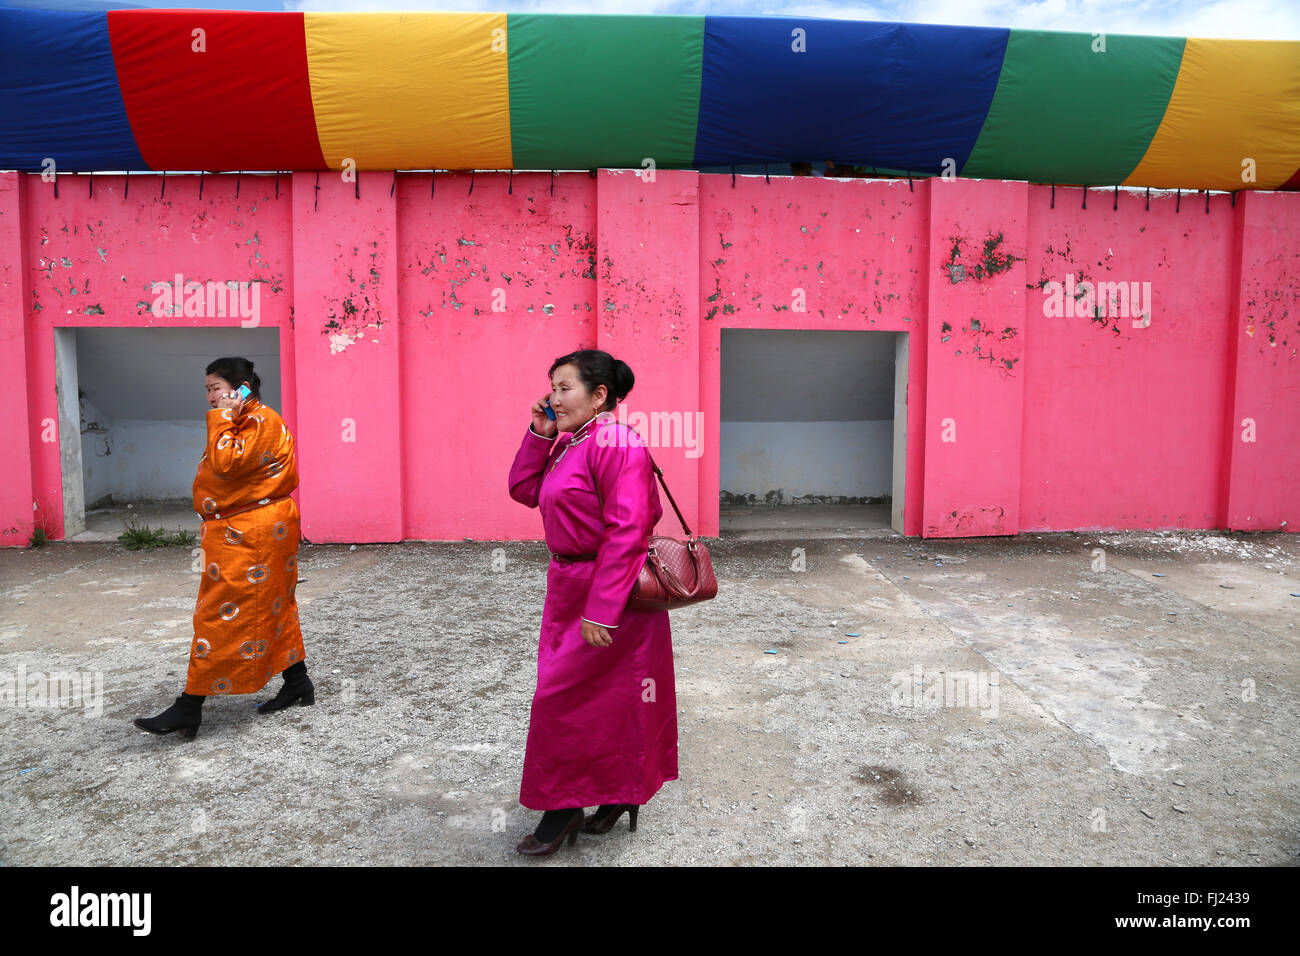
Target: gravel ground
[(1099, 699)]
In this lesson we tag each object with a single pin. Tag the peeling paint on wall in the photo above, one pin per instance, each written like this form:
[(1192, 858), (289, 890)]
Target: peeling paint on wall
[(1271, 314), (346, 323), (991, 261)]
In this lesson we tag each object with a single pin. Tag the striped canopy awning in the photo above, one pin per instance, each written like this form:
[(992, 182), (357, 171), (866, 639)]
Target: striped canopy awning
[(226, 90)]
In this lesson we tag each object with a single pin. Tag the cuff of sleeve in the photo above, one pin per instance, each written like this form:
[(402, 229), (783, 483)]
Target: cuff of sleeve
[(220, 418), (543, 437), (610, 626)]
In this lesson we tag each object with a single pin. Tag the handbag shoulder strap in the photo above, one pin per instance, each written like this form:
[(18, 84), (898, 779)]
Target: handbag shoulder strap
[(669, 494), (659, 473)]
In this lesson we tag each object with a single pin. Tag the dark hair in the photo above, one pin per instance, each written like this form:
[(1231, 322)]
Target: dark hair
[(237, 371), (597, 368)]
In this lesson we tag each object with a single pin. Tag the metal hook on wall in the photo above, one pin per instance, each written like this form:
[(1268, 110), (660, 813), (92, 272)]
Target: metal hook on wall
[(92, 186), (1085, 197), (56, 185), (277, 184), (316, 204), (1207, 202), (393, 188), (356, 185), (733, 177), (126, 185), (510, 186), (909, 181), (433, 181), (200, 184), (238, 176), (1116, 206), (471, 183), (552, 182), (1148, 199), (1053, 206), (163, 192), (1234, 200), (767, 179), (1178, 203)]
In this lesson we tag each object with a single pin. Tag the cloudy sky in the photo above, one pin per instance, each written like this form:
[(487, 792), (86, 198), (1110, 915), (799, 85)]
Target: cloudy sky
[(1238, 19)]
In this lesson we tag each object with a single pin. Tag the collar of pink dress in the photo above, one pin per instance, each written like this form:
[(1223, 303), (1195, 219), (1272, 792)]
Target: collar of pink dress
[(584, 430)]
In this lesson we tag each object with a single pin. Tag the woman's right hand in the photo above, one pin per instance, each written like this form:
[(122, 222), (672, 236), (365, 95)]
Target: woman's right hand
[(232, 401), (541, 424)]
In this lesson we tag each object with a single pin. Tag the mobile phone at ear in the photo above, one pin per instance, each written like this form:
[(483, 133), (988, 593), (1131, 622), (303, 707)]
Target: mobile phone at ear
[(243, 393), (550, 412)]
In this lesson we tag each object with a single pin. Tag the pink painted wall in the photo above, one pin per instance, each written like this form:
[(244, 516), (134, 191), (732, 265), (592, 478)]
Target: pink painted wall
[(16, 434), (347, 344), (493, 285), (417, 319), (1263, 469), (83, 260), (856, 250), (975, 333)]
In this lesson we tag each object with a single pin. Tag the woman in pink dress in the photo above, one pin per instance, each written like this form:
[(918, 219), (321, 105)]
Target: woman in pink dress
[(603, 729)]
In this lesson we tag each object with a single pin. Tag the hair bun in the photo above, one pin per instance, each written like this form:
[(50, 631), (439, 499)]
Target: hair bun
[(624, 377)]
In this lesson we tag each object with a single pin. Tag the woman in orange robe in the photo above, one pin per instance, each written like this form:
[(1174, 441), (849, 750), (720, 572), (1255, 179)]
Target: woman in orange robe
[(246, 619)]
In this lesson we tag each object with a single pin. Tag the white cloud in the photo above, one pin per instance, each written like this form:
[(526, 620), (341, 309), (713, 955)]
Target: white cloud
[(1229, 19), (625, 7)]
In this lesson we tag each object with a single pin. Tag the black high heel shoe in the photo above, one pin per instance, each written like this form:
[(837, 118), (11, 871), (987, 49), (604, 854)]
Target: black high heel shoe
[(602, 823), (297, 688), (185, 715), (531, 846)]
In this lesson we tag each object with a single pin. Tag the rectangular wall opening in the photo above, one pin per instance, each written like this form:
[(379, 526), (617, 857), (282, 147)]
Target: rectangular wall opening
[(132, 407), (813, 430)]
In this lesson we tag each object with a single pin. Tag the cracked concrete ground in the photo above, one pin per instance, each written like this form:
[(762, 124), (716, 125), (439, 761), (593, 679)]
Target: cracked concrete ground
[(1133, 700)]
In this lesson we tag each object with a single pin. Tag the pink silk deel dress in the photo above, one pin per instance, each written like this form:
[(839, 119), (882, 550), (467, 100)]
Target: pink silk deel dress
[(604, 719)]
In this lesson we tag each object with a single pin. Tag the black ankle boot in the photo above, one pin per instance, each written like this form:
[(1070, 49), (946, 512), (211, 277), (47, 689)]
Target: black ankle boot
[(297, 689), (185, 715)]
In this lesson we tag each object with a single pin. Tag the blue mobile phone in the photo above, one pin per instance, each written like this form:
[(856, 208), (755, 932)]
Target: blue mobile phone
[(549, 412), (244, 393)]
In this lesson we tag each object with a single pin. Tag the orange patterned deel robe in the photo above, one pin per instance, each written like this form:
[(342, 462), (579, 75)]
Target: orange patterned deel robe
[(246, 619)]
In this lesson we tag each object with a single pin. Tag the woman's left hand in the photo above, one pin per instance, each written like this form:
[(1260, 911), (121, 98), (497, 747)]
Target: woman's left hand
[(596, 635)]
